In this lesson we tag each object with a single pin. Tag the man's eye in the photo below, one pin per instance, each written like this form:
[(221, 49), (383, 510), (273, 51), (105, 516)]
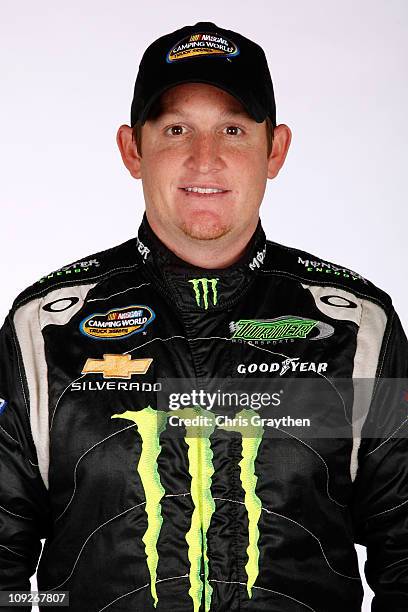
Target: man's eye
[(175, 130), (230, 130)]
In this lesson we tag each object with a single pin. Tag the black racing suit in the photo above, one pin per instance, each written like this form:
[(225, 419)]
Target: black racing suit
[(221, 517)]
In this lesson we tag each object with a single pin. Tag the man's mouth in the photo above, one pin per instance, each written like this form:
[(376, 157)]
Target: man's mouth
[(204, 190)]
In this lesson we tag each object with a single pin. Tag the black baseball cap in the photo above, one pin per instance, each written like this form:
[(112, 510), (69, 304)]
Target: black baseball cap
[(205, 53)]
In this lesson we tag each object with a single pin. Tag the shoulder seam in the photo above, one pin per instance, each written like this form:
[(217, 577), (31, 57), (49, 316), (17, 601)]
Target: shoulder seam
[(21, 367), (294, 250), (380, 366), (284, 246), (69, 283), (316, 257), (325, 284)]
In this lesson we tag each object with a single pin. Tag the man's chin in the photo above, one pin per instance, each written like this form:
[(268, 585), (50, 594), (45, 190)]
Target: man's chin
[(205, 227), (204, 230)]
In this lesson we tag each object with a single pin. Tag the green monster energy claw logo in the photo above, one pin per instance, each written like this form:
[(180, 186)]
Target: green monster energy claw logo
[(203, 283), (151, 423)]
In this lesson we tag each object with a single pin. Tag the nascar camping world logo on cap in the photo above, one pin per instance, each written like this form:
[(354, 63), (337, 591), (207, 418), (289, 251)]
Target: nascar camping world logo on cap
[(202, 43)]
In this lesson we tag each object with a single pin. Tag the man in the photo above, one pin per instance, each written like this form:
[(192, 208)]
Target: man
[(152, 505)]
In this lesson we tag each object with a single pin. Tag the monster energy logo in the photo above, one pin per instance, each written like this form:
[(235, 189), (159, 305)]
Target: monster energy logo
[(200, 285), (151, 423), (281, 328)]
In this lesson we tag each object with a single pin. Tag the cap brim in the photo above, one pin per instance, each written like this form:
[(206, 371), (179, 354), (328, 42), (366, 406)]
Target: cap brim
[(258, 116)]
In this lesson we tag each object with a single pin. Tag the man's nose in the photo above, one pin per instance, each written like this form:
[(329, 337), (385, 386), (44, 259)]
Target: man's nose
[(205, 154)]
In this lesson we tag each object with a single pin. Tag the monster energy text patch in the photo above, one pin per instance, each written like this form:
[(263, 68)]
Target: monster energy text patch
[(202, 44), (281, 328), (329, 268), (117, 323), (74, 268)]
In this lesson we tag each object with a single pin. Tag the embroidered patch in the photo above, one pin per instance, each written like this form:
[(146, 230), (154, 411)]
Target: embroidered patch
[(117, 323), (202, 44)]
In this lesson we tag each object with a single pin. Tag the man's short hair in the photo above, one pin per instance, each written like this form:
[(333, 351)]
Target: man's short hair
[(155, 112)]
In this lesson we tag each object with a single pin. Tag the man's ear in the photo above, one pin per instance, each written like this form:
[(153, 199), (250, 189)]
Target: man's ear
[(128, 150), (282, 137)]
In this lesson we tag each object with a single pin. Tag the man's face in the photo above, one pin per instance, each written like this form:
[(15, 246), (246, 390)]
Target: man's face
[(203, 138)]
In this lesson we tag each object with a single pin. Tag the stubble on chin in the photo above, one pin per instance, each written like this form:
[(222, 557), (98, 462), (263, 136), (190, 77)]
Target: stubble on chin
[(204, 229)]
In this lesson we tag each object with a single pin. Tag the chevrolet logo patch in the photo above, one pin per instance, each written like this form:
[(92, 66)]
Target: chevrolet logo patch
[(117, 366)]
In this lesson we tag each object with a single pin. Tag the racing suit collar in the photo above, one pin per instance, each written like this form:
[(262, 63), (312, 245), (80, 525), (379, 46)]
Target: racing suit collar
[(194, 288)]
